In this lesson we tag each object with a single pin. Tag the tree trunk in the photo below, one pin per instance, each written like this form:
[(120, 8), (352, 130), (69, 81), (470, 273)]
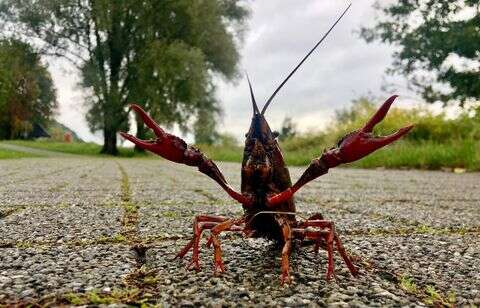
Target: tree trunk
[(113, 110), (110, 142)]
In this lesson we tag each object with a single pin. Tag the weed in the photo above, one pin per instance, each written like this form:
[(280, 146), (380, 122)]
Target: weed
[(118, 238), (97, 298), (408, 285), (436, 298), (429, 294), (170, 214), (424, 229)]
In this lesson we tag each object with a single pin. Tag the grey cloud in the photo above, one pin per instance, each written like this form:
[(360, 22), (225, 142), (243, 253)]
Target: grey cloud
[(280, 33), (343, 68)]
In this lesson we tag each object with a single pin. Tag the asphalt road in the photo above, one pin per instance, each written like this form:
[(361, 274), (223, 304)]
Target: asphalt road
[(93, 230)]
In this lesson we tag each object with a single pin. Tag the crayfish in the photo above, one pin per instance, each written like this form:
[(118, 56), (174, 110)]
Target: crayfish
[(267, 193)]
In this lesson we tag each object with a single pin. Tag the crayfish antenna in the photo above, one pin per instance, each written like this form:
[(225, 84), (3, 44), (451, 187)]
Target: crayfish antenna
[(304, 58), (254, 103)]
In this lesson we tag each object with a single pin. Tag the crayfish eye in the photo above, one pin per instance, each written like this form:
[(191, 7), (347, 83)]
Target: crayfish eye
[(275, 134)]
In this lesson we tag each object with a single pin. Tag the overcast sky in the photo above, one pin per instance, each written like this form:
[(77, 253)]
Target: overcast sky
[(279, 34)]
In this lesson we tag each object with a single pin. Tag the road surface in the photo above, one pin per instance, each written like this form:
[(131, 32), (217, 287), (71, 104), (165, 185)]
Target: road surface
[(85, 230)]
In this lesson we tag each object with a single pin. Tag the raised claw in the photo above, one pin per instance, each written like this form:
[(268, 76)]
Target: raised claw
[(175, 149), (144, 144), (360, 143), (159, 132), (166, 145), (379, 115)]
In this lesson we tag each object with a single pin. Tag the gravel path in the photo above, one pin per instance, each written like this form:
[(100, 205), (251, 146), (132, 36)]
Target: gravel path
[(81, 231)]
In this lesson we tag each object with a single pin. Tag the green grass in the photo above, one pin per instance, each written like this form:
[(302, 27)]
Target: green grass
[(429, 155), (408, 284), (78, 148), (9, 154), (426, 155), (428, 294), (230, 153)]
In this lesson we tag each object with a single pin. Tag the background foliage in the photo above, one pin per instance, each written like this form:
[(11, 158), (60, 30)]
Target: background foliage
[(159, 54), (438, 45), (435, 142), (27, 93)]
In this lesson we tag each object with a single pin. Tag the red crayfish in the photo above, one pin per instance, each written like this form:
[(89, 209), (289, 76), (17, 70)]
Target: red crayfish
[(266, 188)]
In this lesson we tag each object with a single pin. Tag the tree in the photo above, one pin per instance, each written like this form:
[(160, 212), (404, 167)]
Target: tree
[(288, 129), (159, 54), (361, 108), (439, 46), (205, 128), (27, 94)]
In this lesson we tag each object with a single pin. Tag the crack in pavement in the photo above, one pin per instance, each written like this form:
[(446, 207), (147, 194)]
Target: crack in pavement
[(130, 232)]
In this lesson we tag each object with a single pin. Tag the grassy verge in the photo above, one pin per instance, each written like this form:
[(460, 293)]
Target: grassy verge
[(8, 154), (404, 154), (78, 148), (426, 155), (429, 155), (223, 153)]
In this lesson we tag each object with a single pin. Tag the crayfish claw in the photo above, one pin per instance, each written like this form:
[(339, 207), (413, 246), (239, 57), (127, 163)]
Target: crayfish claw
[(141, 143), (148, 120), (379, 115), (385, 140)]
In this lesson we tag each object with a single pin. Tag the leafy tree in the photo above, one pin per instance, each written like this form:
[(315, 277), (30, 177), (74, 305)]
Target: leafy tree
[(27, 94), (361, 108), (159, 54), (434, 37), (288, 129), (205, 128), (227, 140), (429, 126)]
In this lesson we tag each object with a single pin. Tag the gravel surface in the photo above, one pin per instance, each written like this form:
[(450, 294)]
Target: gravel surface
[(83, 226), (59, 225), (34, 272), (59, 181)]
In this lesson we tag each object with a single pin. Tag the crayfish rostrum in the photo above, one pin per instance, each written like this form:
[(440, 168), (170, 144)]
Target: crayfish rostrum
[(266, 188)]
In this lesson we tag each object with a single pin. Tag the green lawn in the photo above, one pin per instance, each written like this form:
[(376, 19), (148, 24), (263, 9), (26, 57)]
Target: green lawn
[(8, 154), (403, 154), (78, 148), (426, 155)]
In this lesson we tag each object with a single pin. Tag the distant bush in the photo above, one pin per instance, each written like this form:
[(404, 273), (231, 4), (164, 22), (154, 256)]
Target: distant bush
[(435, 142), (428, 127)]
